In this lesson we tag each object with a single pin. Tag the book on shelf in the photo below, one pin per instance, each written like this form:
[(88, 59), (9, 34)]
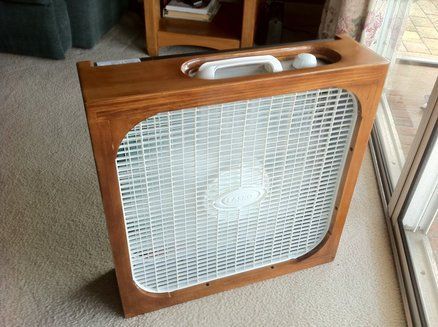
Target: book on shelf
[(181, 10)]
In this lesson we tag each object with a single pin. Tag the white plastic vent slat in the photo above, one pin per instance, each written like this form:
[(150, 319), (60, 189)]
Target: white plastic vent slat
[(213, 191)]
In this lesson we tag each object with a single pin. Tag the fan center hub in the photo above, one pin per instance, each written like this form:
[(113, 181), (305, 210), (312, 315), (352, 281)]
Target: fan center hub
[(240, 198)]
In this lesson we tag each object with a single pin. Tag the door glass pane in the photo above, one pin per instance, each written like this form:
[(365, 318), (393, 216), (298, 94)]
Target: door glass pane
[(411, 77), (408, 89), (413, 74)]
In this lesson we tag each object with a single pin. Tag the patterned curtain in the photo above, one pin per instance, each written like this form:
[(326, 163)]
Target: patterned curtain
[(361, 19)]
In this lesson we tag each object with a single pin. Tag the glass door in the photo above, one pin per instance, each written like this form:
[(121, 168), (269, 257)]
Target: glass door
[(412, 212), (405, 152), (409, 39)]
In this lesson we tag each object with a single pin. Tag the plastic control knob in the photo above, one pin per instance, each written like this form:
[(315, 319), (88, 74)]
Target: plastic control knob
[(304, 60)]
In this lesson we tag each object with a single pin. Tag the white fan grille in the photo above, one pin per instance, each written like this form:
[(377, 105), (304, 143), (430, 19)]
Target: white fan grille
[(213, 191)]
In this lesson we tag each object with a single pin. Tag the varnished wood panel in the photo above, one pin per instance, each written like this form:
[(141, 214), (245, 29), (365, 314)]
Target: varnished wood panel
[(249, 22), (152, 22)]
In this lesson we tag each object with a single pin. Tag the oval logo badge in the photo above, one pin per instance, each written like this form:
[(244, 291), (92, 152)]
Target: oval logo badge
[(240, 198)]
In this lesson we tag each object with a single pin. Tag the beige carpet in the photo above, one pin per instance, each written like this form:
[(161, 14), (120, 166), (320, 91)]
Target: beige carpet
[(55, 261)]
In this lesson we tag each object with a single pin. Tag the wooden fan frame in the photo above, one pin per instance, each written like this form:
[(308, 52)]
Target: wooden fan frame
[(118, 97)]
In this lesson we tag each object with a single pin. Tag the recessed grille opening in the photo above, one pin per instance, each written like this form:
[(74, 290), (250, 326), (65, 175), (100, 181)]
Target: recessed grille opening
[(214, 191)]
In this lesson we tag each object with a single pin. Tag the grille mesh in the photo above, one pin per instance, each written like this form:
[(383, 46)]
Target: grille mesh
[(213, 191)]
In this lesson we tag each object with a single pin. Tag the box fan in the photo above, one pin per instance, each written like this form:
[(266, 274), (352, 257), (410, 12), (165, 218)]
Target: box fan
[(218, 170)]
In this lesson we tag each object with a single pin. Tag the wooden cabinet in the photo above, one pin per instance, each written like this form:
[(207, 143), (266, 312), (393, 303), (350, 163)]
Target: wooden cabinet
[(233, 27)]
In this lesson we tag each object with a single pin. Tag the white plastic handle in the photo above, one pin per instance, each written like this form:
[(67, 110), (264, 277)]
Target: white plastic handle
[(208, 69)]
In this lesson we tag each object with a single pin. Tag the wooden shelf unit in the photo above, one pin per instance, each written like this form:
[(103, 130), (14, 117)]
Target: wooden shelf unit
[(233, 27)]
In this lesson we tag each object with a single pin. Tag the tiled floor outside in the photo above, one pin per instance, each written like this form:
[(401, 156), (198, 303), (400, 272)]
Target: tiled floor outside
[(420, 38)]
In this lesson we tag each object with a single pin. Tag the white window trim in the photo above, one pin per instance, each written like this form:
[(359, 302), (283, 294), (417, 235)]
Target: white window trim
[(423, 206), (390, 141)]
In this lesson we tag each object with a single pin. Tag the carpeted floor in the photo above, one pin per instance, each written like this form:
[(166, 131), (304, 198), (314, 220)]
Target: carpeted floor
[(55, 261)]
